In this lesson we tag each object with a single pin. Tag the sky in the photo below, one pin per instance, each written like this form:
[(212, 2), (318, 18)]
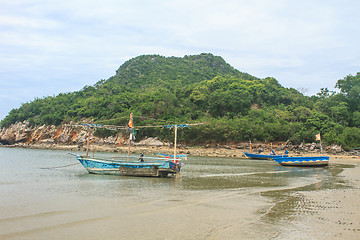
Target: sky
[(49, 47)]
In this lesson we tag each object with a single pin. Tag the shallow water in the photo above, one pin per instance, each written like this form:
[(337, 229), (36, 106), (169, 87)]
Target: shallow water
[(47, 195)]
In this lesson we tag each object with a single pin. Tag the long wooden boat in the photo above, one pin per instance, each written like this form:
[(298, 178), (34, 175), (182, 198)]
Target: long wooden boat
[(183, 156), (127, 165), (262, 156), (122, 167), (320, 161)]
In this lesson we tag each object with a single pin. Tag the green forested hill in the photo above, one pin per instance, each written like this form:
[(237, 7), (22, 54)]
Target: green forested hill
[(204, 88), (172, 71)]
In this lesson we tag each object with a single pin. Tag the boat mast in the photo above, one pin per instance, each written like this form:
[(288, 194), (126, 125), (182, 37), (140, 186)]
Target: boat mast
[(129, 148), (131, 128), (176, 128), (88, 143), (88, 140)]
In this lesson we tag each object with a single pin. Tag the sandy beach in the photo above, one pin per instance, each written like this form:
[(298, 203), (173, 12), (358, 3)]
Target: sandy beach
[(215, 198), (332, 213)]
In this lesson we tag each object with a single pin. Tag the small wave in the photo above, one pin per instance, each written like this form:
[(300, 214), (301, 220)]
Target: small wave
[(245, 174)]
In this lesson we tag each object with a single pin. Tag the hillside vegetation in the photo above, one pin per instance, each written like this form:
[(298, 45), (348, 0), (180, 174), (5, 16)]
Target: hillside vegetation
[(204, 88)]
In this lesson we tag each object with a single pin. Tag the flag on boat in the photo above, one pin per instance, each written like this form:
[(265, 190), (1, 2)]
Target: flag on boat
[(131, 128), (318, 137), (130, 123)]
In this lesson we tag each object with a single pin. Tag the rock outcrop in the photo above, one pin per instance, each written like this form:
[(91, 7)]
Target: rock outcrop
[(23, 132)]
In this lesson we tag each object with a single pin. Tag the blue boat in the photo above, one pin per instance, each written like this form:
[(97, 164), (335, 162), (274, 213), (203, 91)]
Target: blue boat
[(132, 166), (321, 161), (142, 167), (262, 156), (172, 156)]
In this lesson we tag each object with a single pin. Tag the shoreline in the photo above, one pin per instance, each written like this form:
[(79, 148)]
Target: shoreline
[(202, 151)]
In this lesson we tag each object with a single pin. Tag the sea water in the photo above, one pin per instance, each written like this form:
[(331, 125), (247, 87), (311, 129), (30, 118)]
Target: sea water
[(47, 194)]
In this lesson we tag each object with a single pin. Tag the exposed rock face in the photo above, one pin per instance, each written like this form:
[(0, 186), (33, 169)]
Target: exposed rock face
[(19, 132), (152, 142), (25, 133)]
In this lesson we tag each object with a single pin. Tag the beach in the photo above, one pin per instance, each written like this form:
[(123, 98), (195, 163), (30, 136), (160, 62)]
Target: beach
[(214, 198), (331, 213)]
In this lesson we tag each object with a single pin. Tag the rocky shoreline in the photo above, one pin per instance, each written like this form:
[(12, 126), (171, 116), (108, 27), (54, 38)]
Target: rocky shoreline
[(210, 151), (66, 137)]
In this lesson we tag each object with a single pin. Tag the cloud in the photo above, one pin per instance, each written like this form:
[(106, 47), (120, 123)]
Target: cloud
[(28, 22), (61, 46)]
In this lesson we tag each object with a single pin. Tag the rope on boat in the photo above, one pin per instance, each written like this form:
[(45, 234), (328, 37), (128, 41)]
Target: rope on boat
[(114, 127), (62, 166)]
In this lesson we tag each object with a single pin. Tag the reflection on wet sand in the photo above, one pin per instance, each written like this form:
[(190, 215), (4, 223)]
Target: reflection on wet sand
[(325, 210)]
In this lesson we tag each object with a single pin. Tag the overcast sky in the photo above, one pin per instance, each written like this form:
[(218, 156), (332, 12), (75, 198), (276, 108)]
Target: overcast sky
[(48, 47)]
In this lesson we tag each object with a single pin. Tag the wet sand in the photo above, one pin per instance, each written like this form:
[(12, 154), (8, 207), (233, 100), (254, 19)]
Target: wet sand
[(185, 215), (323, 206), (332, 213), (207, 217)]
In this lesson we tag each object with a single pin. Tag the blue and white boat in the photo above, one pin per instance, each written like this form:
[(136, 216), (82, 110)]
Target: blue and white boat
[(128, 166), (320, 161), (171, 156), (262, 156)]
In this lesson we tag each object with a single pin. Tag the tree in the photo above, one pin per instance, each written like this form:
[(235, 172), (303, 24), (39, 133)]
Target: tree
[(350, 88)]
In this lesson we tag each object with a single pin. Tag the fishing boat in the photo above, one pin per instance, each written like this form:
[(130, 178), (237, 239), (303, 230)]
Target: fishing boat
[(130, 166), (262, 156), (320, 161), (182, 156), (357, 151), (127, 165)]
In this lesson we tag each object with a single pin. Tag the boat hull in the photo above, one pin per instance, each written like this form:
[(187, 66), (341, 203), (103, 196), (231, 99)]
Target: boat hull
[(184, 156), (321, 161), (160, 168), (262, 156)]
